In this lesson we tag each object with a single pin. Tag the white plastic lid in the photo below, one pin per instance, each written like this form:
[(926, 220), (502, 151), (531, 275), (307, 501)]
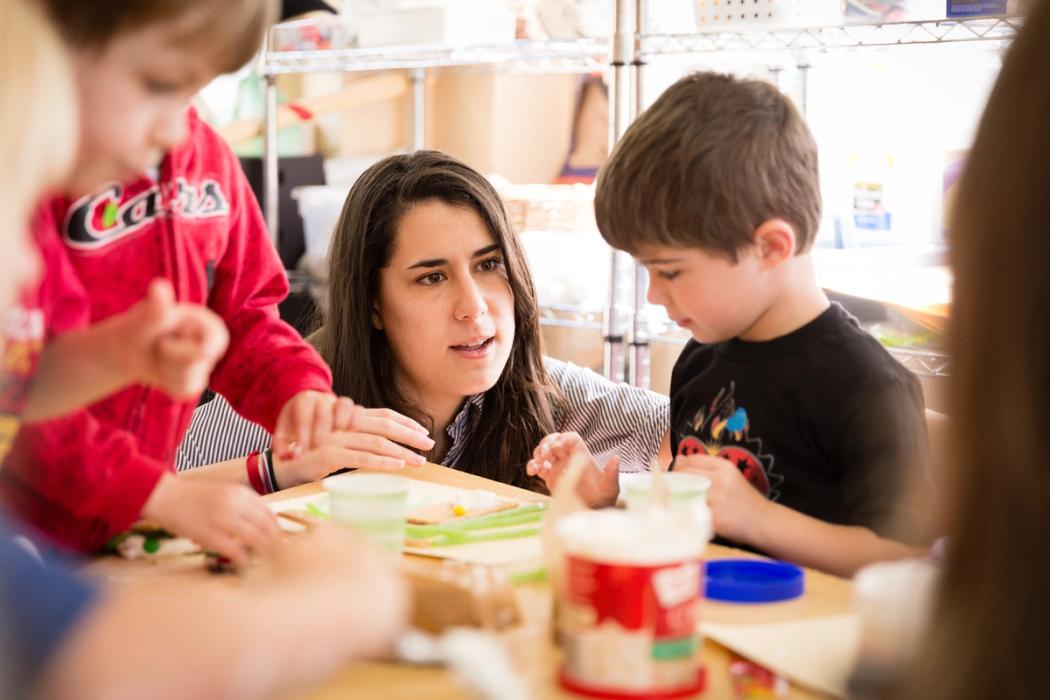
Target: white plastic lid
[(645, 538)]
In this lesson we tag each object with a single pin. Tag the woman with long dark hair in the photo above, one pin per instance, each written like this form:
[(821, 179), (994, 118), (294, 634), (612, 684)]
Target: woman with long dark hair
[(989, 633), (432, 315)]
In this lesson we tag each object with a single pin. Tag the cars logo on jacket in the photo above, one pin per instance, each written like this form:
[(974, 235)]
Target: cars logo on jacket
[(98, 220)]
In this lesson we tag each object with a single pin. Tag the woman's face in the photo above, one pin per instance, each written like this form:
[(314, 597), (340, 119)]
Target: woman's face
[(445, 304)]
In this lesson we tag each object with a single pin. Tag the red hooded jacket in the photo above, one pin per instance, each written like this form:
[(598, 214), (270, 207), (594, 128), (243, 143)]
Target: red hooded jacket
[(84, 478)]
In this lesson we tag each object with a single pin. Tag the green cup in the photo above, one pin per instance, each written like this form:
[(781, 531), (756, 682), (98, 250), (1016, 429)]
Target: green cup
[(373, 504), (684, 490)]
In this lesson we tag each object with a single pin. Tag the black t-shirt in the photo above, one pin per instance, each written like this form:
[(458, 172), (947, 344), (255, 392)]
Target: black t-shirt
[(821, 420)]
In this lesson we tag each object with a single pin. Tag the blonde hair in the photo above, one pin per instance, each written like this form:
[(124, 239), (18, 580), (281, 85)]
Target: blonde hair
[(38, 124)]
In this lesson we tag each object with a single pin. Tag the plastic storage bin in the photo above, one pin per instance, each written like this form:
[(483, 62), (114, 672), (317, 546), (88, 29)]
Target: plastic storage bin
[(454, 22), (320, 207)]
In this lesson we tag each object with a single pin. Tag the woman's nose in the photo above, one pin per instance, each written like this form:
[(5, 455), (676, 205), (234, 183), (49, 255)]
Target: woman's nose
[(470, 303)]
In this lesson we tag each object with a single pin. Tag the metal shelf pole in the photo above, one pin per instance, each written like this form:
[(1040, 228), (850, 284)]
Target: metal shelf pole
[(419, 106), (614, 365), (638, 373), (803, 82), (270, 175)]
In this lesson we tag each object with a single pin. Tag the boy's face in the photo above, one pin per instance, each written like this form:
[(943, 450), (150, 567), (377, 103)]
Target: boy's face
[(133, 93), (713, 297)]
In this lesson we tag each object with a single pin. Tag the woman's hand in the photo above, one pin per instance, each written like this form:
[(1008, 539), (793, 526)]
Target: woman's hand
[(373, 440)]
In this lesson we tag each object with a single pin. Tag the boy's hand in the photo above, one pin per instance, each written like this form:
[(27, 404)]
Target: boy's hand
[(736, 506), (170, 345), (370, 443), (598, 487), (227, 518), (307, 419)]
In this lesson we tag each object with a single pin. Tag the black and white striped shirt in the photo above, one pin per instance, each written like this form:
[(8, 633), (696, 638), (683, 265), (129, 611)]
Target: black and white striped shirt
[(612, 419)]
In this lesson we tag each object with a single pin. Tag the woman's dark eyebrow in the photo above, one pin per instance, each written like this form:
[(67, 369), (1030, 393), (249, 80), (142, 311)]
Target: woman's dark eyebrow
[(438, 262), (435, 262), (486, 250)]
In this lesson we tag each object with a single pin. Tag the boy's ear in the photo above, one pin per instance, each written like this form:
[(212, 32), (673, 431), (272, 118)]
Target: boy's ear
[(774, 242)]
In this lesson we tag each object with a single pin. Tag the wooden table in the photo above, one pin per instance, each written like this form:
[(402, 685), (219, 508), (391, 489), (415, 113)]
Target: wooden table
[(530, 644)]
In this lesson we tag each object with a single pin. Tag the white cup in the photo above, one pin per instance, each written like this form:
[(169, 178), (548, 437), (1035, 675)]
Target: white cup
[(684, 490), (374, 504)]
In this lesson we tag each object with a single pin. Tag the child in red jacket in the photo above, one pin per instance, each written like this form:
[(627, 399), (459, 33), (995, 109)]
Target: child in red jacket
[(176, 207)]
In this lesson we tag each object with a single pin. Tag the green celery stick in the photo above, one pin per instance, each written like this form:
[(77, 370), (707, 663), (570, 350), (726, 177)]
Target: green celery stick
[(316, 512), (516, 516), (447, 539), (538, 575)]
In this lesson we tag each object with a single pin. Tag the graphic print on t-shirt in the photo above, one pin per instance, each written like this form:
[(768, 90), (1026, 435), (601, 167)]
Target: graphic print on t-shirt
[(722, 429)]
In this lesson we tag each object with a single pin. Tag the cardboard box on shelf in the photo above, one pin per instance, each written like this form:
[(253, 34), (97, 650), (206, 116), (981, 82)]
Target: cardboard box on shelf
[(518, 126), (356, 112), (515, 125)]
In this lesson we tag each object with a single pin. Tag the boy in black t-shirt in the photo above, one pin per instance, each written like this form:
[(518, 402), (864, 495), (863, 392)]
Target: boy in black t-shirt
[(803, 422)]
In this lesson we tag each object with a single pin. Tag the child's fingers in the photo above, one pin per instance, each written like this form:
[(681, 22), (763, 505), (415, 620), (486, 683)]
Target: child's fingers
[(205, 328), (344, 414), (541, 452), (547, 449), (553, 469), (181, 380), (563, 445), (560, 450), (695, 463), (611, 473), (255, 536), (178, 352), (159, 294), (153, 314), (549, 439), (258, 524), (265, 520), (294, 426), (321, 422), (543, 470), (571, 440), (285, 433), (279, 442), (205, 344), (160, 289), (228, 546)]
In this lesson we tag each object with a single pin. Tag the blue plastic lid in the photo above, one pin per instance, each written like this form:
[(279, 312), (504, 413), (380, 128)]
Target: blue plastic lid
[(752, 580)]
